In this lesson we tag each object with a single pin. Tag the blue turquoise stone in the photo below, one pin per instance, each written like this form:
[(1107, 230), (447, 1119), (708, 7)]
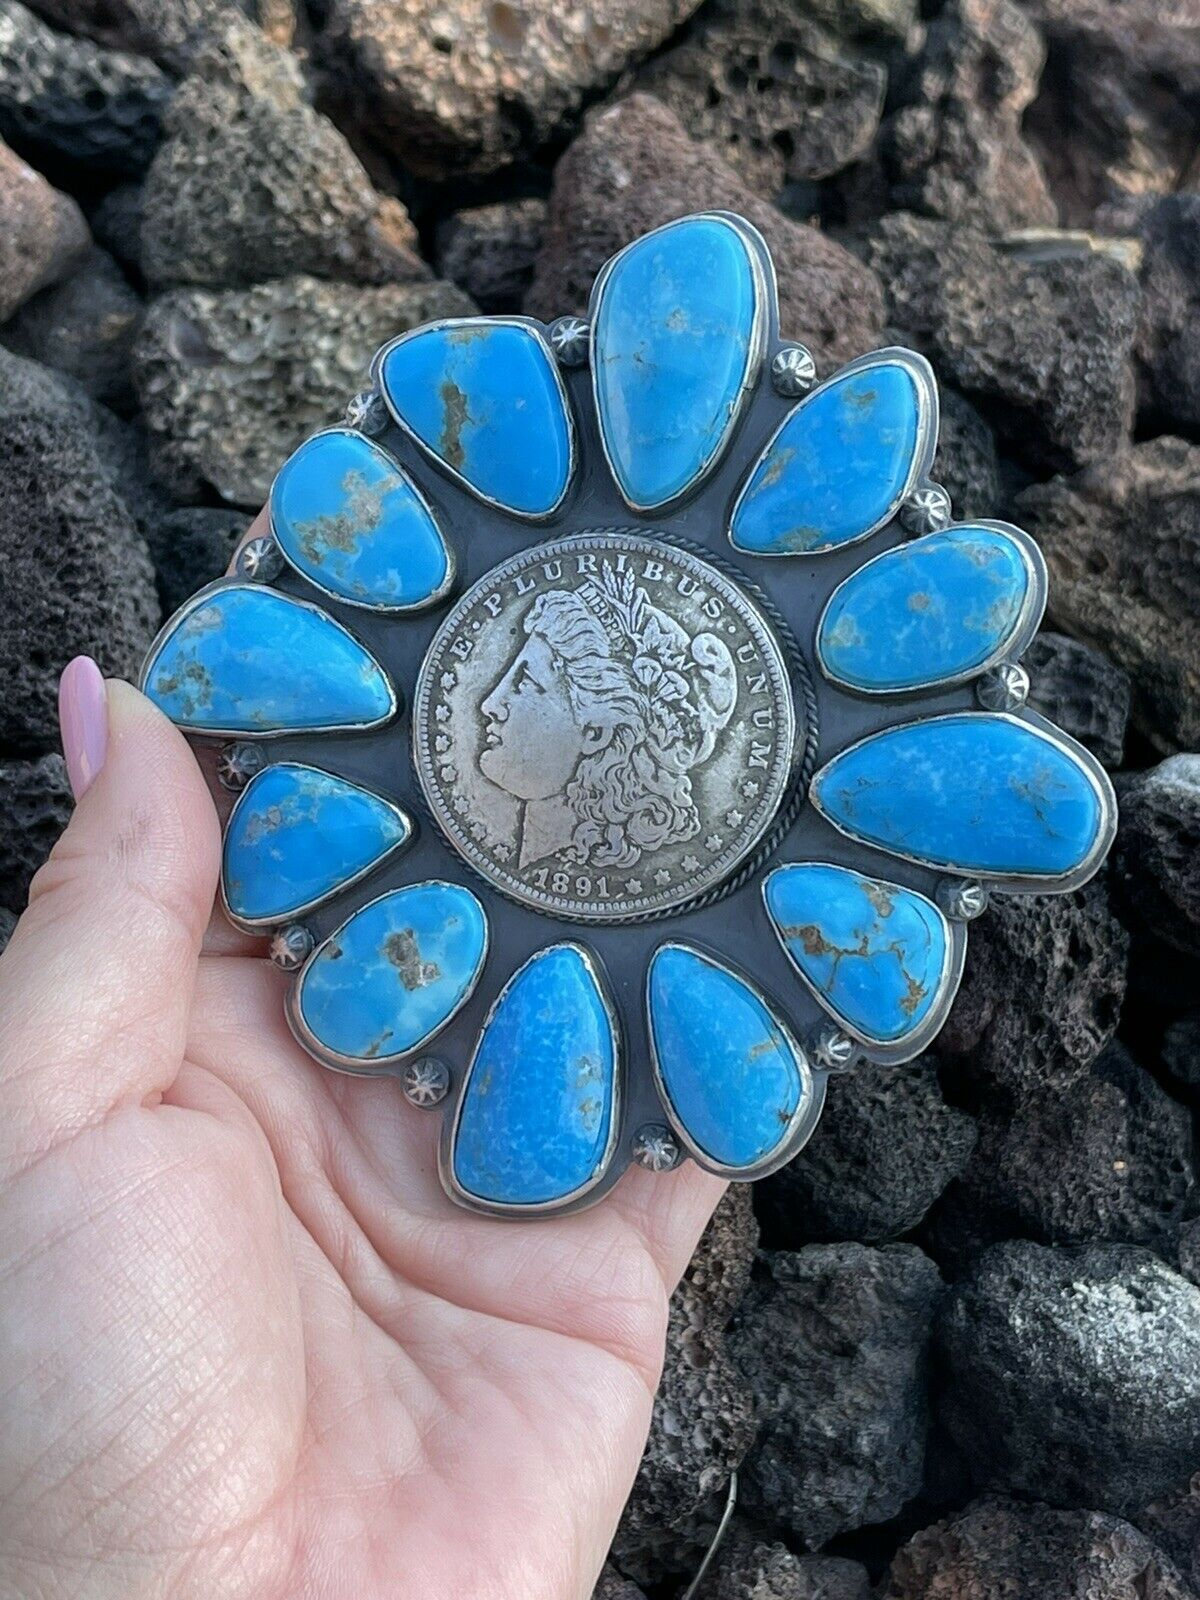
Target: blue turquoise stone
[(838, 467), (674, 344), (876, 955), (347, 517), (537, 1109), (727, 1068), (244, 659), (296, 835), (939, 607), (393, 973), (979, 793), (484, 397)]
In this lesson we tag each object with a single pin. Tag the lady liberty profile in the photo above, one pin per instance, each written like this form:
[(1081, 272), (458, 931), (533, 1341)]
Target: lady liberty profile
[(597, 723)]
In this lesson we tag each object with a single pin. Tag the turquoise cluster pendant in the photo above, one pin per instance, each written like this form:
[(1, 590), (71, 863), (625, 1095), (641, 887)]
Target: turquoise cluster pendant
[(623, 733)]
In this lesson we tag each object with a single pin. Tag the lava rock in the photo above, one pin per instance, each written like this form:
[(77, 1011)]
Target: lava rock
[(782, 99), (1042, 345), (833, 1342), (612, 1586), (885, 1149), (1120, 100), (1158, 850), (966, 464), (251, 183), (997, 1549), (1082, 692), (1181, 1054), (449, 93), (954, 149), (75, 577), (1173, 1523), (192, 547), (489, 251), (85, 327), (633, 168), (230, 383), (169, 31), (43, 235), (703, 1416), (1041, 993), (1122, 543), (35, 802), (1073, 1376), (1168, 345), (1106, 1156), (66, 100), (747, 1567), (116, 224)]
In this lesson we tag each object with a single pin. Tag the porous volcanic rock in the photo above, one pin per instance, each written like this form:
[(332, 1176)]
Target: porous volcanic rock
[(703, 1415), (885, 1148), (191, 547), (1042, 345), (1157, 854), (1082, 692), (490, 250), (35, 802), (749, 1567), (464, 89), (966, 465), (998, 1549), (69, 100), (954, 148), (1122, 543), (75, 577), (833, 1342), (42, 233), (251, 183), (633, 168), (169, 31), (1072, 1376), (84, 327), (612, 1586), (231, 382)]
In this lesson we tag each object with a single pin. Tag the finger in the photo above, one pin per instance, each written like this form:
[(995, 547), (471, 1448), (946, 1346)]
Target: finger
[(96, 983)]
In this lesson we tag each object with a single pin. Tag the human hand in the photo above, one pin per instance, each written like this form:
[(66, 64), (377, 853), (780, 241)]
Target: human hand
[(247, 1346)]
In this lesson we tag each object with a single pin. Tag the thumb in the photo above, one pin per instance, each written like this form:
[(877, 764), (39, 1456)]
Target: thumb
[(96, 984)]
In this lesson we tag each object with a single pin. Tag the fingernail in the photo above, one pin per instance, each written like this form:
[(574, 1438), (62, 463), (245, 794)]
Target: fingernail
[(83, 720)]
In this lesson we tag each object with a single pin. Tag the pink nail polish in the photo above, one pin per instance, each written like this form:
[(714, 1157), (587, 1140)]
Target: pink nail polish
[(83, 719)]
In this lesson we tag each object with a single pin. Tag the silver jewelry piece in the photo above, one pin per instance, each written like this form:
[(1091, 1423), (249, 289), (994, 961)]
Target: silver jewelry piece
[(1004, 688), (291, 946), (793, 371), (655, 1148), (426, 1081), (927, 510), (569, 340), (237, 764), (367, 413)]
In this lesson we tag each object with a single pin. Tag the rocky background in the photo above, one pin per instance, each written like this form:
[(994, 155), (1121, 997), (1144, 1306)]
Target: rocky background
[(954, 1349)]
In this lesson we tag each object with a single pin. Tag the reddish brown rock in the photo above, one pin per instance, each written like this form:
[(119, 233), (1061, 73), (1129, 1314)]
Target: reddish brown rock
[(42, 233)]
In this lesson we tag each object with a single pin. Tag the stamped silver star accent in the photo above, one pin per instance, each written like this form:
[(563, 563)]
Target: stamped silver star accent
[(927, 509), (290, 946), (367, 412), (655, 1148), (260, 560), (569, 340), (426, 1082), (237, 764)]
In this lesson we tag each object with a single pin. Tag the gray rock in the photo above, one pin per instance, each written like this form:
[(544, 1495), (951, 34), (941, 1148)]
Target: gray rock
[(954, 148), (1082, 692), (966, 464), (1041, 993), (35, 802), (169, 31), (1105, 1157), (43, 236), (191, 547), (116, 224), (1001, 1549), (631, 169), (1122, 542), (1043, 346), (8, 922), (74, 574), (1181, 1054), (1120, 99), (251, 183), (230, 383), (489, 251), (703, 1418), (748, 1567), (69, 100), (1168, 345), (782, 99), (1173, 1523), (1158, 850), (84, 327), (1073, 1376), (833, 1342), (612, 1586), (885, 1149), (448, 93)]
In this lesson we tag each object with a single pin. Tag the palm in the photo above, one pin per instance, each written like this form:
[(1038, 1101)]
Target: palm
[(284, 1364)]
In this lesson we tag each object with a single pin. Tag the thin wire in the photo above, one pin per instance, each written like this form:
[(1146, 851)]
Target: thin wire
[(731, 1500)]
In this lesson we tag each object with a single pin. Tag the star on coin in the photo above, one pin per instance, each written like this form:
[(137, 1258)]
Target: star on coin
[(442, 713), (713, 842), (733, 817), (662, 877), (448, 680), (442, 743), (690, 863), (461, 804), (749, 788), (634, 885)]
